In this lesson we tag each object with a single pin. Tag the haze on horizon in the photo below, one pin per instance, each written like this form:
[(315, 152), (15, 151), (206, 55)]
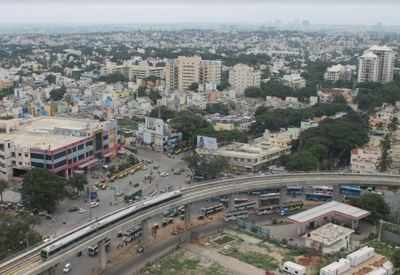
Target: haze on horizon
[(338, 12)]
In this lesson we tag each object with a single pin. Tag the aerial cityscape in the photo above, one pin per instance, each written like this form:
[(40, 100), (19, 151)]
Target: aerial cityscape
[(214, 138)]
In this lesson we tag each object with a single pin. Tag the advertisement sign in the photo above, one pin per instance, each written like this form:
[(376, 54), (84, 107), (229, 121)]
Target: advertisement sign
[(207, 143)]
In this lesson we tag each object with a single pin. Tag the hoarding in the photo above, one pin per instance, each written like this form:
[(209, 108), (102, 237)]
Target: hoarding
[(207, 143)]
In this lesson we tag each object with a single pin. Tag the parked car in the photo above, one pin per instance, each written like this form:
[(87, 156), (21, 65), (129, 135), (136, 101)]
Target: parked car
[(73, 209), (94, 204), (67, 267)]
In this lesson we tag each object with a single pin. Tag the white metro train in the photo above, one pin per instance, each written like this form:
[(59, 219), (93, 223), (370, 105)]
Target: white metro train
[(105, 221)]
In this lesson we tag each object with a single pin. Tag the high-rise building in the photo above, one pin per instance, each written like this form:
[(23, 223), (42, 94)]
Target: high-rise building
[(183, 71), (242, 76), (188, 71), (171, 75), (210, 71), (339, 72), (376, 65)]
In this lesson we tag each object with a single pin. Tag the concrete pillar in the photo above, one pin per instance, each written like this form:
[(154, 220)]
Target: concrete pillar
[(188, 210), (103, 255), (147, 232), (336, 192), (51, 270), (282, 191), (230, 202)]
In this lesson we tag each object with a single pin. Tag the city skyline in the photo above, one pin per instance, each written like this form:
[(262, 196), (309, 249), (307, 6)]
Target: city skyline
[(237, 11)]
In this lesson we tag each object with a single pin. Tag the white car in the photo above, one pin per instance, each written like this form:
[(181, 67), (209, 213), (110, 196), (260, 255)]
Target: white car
[(82, 210), (67, 268), (164, 174), (94, 204)]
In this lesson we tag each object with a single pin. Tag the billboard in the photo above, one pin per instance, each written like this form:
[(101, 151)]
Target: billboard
[(207, 143)]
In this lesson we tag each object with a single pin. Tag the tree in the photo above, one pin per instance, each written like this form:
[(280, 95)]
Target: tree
[(114, 78), (16, 234), (302, 161), (78, 182), (220, 108), (206, 167), (154, 95), (51, 78), (189, 123), (386, 160), (375, 204), (330, 143), (162, 112), (42, 190), (141, 92), (57, 94), (3, 187), (193, 87), (396, 258)]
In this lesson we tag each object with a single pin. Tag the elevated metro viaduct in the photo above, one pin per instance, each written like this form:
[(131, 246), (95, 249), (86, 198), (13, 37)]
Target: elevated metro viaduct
[(193, 194)]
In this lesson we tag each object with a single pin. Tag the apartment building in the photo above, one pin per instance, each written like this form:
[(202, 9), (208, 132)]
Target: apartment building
[(376, 65), (242, 76), (60, 145), (338, 72), (183, 71), (294, 81), (248, 157), (134, 72)]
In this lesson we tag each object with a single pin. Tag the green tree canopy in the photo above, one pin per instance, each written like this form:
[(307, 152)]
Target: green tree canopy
[(114, 78), (57, 94), (16, 234), (302, 161), (206, 167), (42, 190), (330, 143), (213, 108), (162, 112), (194, 87), (375, 204), (78, 182), (3, 187)]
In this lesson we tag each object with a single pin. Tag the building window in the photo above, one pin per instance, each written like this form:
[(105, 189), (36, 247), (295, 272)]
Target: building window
[(59, 155), (37, 164), (59, 164), (81, 157), (80, 146), (33, 156)]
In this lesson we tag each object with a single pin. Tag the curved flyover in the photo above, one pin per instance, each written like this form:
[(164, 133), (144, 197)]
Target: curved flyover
[(197, 193)]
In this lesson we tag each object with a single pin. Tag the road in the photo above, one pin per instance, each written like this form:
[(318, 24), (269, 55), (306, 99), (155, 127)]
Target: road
[(223, 187), (64, 221)]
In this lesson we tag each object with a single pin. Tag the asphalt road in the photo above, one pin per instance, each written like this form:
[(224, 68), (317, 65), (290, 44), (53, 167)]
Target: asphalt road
[(64, 221)]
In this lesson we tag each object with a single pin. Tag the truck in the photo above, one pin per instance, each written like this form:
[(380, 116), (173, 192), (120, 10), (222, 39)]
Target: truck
[(293, 268)]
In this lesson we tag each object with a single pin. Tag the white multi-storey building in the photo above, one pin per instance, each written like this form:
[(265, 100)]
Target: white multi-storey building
[(338, 72), (242, 76), (376, 65), (183, 71)]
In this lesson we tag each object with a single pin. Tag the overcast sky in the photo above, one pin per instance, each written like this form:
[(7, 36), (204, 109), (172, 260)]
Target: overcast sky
[(361, 12)]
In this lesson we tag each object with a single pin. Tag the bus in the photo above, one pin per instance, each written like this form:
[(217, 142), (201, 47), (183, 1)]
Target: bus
[(268, 210), (315, 196), (294, 190), (134, 233), (293, 205), (234, 215), (322, 189), (245, 205), (93, 250), (212, 209), (264, 191), (351, 191)]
